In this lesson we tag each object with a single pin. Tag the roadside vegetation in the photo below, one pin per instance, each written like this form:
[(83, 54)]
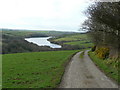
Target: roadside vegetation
[(108, 66), (103, 32), (82, 55), (105, 36), (34, 70)]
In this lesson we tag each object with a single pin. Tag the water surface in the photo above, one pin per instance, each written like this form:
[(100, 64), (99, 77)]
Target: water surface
[(42, 41)]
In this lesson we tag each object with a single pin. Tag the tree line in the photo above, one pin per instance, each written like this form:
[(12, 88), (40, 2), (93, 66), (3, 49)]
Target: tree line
[(103, 25)]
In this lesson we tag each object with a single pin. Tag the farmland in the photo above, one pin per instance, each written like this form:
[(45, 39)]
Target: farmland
[(37, 69), (34, 70), (68, 41), (13, 40), (82, 44), (80, 41), (32, 33), (73, 37)]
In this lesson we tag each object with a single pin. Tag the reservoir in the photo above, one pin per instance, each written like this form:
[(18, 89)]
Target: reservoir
[(43, 41)]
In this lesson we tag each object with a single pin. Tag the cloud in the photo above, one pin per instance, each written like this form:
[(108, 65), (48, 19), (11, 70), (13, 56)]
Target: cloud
[(42, 14)]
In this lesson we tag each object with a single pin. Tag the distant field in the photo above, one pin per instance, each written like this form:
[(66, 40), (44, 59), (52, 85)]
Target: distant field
[(82, 44), (13, 40), (24, 33), (73, 37), (80, 40), (34, 70)]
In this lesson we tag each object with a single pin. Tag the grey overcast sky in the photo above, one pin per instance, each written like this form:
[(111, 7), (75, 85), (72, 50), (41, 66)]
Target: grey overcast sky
[(61, 15)]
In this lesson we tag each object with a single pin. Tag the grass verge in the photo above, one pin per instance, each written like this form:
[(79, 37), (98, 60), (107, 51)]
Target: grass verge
[(107, 69), (81, 55), (34, 70)]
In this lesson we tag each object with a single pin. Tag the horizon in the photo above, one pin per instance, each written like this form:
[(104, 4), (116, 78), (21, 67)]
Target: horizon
[(43, 30)]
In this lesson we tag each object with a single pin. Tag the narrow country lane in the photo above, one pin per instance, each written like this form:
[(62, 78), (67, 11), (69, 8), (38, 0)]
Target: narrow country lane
[(82, 73)]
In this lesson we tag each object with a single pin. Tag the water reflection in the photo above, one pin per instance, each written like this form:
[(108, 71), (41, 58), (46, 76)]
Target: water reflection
[(42, 41)]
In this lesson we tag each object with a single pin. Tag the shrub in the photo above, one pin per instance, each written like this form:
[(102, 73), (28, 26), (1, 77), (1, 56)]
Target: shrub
[(113, 62), (102, 52), (93, 48)]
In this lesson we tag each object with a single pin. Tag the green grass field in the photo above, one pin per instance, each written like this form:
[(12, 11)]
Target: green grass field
[(81, 40), (34, 70), (19, 33), (82, 44), (24, 33), (73, 37), (108, 69), (82, 55)]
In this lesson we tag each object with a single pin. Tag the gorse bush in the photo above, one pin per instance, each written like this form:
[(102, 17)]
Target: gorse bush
[(102, 52)]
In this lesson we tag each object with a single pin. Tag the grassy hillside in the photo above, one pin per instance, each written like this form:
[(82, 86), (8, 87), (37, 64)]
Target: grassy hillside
[(76, 40), (73, 37), (34, 70), (13, 40), (33, 33), (82, 44), (14, 44), (68, 40)]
